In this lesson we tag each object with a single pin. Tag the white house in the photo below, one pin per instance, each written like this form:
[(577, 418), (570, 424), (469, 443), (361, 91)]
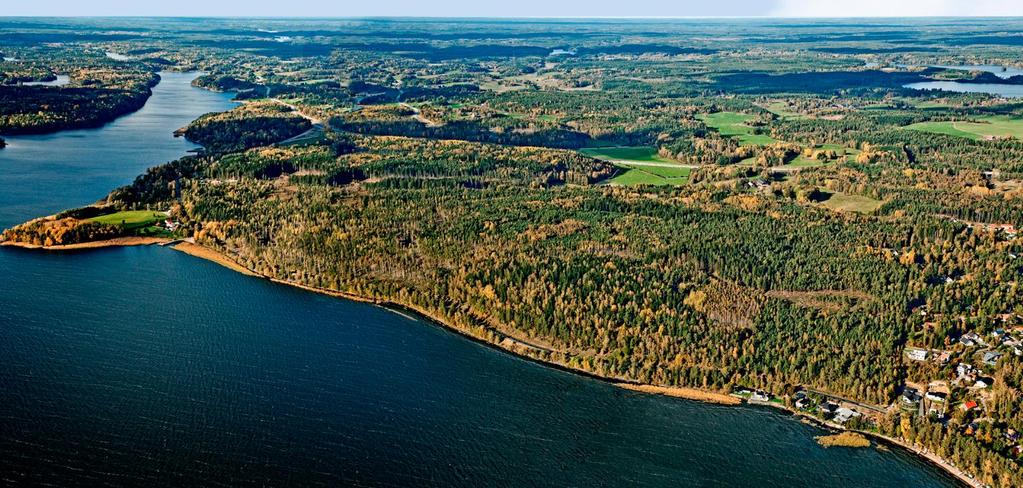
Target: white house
[(916, 354), (982, 383), (842, 415)]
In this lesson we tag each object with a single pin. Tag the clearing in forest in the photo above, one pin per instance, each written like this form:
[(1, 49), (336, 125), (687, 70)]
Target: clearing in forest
[(142, 222), (843, 202), (652, 175), (984, 128), (733, 124), (642, 164), (643, 154)]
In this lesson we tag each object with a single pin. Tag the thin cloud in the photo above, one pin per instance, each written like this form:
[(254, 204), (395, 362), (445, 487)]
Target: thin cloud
[(896, 8)]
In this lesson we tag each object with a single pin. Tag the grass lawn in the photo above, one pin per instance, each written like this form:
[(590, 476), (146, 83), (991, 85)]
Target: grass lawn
[(804, 162), (310, 137), (131, 219), (929, 104), (845, 154), (643, 154), (993, 126), (782, 110), (842, 202), (541, 117), (732, 124), (651, 175)]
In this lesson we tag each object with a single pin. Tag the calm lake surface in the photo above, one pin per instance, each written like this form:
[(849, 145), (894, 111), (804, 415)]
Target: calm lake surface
[(1000, 71), (60, 81), (1010, 91), (147, 367)]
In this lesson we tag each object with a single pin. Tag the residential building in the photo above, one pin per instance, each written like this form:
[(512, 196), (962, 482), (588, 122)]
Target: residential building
[(843, 415), (916, 354)]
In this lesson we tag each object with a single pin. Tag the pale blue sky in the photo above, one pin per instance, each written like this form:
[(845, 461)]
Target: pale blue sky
[(515, 8)]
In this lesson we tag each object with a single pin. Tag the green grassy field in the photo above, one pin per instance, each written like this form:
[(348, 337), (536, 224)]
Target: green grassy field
[(643, 154), (651, 175), (993, 126), (311, 137), (929, 104), (732, 124), (804, 162), (845, 153), (782, 110), (131, 219), (842, 202)]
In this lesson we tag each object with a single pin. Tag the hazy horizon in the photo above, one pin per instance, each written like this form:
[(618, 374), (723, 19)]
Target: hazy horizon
[(525, 9)]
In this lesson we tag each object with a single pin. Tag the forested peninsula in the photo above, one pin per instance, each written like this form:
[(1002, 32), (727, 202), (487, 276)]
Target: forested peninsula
[(749, 217), (95, 98)]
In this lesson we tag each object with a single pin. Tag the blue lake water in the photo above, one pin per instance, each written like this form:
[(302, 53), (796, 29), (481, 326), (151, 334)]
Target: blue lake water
[(60, 81), (1005, 90), (1000, 71), (148, 367)]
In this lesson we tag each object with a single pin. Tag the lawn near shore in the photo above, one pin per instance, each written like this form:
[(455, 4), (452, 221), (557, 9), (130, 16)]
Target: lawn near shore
[(143, 222), (131, 219)]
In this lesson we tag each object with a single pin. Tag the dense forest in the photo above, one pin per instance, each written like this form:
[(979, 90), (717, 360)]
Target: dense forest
[(250, 125)]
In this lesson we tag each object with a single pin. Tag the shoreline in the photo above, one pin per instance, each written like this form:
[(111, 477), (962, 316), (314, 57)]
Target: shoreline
[(514, 347), (685, 393), (115, 242), (881, 439)]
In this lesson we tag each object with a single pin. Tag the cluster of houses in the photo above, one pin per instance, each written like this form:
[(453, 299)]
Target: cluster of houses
[(1008, 230), (829, 409), (998, 341), (973, 361), (933, 402), (970, 377)]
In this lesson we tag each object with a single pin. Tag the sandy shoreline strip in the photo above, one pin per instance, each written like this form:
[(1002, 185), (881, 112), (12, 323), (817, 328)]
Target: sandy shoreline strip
[(116, 242), (681, 392), (211, 255)]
